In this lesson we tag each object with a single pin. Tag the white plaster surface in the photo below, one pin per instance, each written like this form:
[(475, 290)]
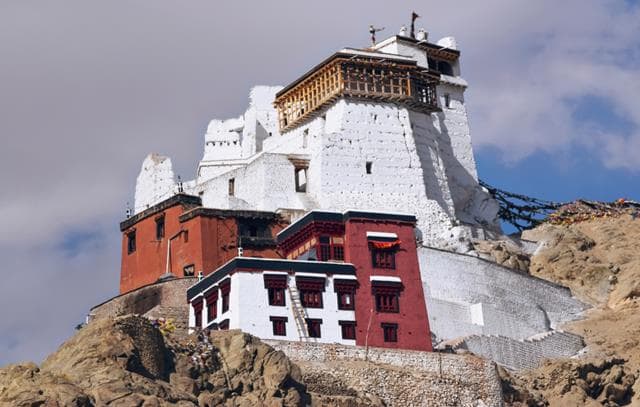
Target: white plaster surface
[(249, 310), (459, 289), (155, 182)]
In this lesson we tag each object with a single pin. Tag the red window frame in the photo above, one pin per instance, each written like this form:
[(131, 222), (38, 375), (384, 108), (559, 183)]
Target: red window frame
[(327, 250), (387, 296), (225, 288), (279, 325), (383, 258), (348, 329), (212, 305), (310, 289), (275, 285), (313, 327), (197, 311), (390, 332), (345, 293)]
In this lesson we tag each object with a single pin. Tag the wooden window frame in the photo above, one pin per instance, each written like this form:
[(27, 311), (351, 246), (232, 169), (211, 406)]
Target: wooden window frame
[(197, 312), (348, 329), (311, 289), (389, 332), (160, 227), (131, 242), (279, 325), (387, 296), (383, 258), (276, 285), (314, 327), (343, 288), (212, 305), (225, 289)]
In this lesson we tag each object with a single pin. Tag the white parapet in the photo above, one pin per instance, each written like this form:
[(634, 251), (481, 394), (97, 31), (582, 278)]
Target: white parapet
[(155, 182)]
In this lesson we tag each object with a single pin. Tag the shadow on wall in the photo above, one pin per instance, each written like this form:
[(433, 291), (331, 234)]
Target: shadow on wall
[(465, 192)]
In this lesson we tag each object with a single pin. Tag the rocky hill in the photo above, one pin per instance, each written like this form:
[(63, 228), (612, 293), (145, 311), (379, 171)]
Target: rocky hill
[(598, 257)]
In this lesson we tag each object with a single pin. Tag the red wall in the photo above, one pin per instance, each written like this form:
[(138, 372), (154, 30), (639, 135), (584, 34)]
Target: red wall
[(148, 262), (209, 243), (413, 324)]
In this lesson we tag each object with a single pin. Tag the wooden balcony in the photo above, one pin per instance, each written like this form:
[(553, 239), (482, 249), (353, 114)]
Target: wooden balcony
[(359, 77)]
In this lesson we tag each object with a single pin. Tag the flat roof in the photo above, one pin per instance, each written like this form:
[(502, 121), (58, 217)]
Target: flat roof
[(326, 216), (267, 265), (451, 53), (177, 199), (228, 213)]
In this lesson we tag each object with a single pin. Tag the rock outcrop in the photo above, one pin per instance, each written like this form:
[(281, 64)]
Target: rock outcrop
[(128, 362)]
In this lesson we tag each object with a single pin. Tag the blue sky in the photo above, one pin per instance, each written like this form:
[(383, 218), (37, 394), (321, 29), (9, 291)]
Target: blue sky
[(88, 89)]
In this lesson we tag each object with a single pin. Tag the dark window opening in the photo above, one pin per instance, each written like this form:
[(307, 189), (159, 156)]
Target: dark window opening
[(275, 285), (313, 327), (301, 179), (346, 293), (390, 332), (131, 242), (445, 68), (254, 228), (189, 271), (279, 325), (387, 296), (311, 290), (368, 166), (185, 235), (330, 248), (197, 310), (383, 258), (160, 228), (387, 303), (225, 288), (232, 187), (311, 299), (212, 305), (276, 296), (447, 100), (348, 329), (224, 325)]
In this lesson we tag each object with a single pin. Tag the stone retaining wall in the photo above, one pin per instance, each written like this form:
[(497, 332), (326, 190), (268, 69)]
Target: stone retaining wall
[(167, 299), (525, 354), (399, 377)]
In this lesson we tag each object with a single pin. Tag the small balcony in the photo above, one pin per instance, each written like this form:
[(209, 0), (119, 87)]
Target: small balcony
[(357, 77)]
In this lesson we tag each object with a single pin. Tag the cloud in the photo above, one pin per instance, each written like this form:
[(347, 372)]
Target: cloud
[(87, 89)]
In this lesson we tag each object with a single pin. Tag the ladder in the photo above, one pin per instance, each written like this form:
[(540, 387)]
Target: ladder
[(299, 315)]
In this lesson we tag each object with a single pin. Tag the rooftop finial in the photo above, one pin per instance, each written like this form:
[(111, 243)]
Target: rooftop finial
[(373, 31), (414, 16), (128, 212), (180, 188)]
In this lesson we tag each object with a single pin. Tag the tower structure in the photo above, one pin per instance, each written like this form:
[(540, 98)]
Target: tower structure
[(381, 129)]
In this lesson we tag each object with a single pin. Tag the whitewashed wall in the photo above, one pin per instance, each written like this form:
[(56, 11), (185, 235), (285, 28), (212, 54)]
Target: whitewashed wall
[(249, 310)]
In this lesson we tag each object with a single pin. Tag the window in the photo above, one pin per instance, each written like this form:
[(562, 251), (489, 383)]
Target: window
[(212, 305), (387, 295), (160, 228), (348, 329), (275, 285), (368, 166), (224, 325), (225, 288), (330, 248), (345, 291), (313, 327), (445, 68), (447, 100), (311, 290), (197, 310), (301, 179), (232, 186), (279, 325), (383, 258), (189, 271), (390, 332), (131, 242)]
